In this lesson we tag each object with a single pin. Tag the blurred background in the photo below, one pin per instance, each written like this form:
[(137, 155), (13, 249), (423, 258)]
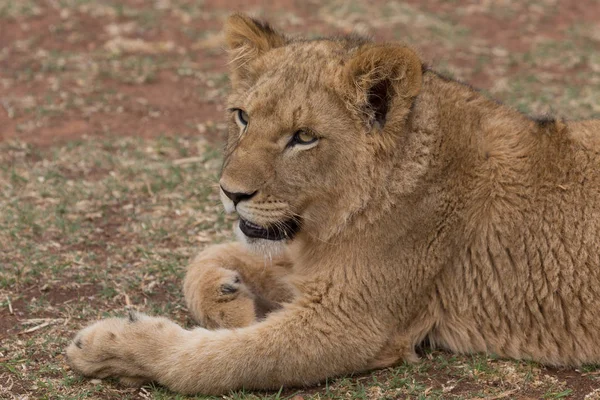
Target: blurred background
[(111, 125), (70, 68)]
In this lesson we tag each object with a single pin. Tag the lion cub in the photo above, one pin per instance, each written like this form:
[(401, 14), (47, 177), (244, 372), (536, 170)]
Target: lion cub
[(379, 204)]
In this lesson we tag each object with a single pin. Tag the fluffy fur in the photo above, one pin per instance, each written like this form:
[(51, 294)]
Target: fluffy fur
[(426, 209)]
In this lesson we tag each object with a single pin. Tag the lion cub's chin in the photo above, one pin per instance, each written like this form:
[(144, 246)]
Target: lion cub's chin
[(268, 248)]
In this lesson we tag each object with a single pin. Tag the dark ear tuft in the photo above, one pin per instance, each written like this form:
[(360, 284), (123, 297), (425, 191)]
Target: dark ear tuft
[(382, 77), (247, 39), (378, 100), (241, 30)]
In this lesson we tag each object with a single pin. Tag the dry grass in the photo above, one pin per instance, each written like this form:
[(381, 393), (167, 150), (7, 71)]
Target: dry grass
[(111, 148)]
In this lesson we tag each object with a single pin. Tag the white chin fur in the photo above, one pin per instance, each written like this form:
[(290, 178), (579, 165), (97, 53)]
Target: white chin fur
[(268, 248)]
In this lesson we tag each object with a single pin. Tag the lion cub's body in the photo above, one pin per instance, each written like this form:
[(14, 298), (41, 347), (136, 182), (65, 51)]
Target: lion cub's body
[(517, 244), (427, 211)]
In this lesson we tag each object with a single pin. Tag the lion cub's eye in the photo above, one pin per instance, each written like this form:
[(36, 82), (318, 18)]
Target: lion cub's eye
[(302, 137), (241, 118)]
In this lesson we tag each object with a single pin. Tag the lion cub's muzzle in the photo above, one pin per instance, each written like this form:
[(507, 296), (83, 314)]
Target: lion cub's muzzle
[(279, 231), (259, 221)]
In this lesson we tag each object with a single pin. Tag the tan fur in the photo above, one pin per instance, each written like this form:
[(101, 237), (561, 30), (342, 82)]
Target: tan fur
[(427, 210)]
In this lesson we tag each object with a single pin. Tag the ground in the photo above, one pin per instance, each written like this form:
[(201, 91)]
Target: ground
[(111, 123)]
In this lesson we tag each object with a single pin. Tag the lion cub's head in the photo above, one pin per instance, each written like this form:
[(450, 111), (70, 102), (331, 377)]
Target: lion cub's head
[(313, 126)]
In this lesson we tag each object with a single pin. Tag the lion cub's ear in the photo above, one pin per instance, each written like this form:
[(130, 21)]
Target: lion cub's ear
[(382, 79), (247, 39)]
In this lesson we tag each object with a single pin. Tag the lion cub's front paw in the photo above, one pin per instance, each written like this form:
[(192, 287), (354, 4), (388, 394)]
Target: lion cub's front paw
[(218, 298), (117, 347)]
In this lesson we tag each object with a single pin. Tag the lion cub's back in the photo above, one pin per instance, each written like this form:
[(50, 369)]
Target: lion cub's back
[(527, 284), (587, 133)]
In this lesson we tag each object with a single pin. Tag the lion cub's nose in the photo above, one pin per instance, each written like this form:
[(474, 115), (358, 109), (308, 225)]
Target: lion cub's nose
[(237, 197)]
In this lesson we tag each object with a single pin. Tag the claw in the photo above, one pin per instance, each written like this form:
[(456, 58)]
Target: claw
[(228, 289), (133, 316)]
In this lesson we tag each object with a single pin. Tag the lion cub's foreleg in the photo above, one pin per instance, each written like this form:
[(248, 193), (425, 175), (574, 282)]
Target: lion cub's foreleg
[(226, 286)]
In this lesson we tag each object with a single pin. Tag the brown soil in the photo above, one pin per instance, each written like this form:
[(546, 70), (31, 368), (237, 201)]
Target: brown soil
[(57, 295)]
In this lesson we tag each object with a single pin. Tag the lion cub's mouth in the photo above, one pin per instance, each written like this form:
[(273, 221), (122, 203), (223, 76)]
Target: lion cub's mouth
[(280, 231)]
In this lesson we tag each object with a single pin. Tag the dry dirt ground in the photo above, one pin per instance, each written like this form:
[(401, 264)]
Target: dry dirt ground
[(110, 129)]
